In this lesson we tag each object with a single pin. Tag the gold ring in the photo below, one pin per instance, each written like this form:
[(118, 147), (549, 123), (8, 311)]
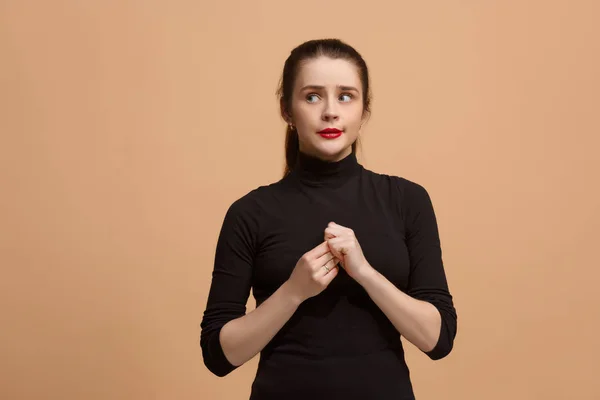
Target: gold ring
[(326, 268)]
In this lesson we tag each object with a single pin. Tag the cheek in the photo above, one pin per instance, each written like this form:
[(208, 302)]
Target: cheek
[(305, 115), (355, 114), (354, 121)]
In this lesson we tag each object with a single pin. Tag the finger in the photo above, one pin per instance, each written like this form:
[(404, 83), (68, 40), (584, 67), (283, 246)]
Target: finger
[(335, 231), (324, 259), (337, 246), (327, 267), (318, 251), (328, 234), (330, 275), (336, 227), (340, 231)]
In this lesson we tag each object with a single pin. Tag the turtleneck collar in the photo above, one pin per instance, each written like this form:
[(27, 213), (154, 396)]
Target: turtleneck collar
[(313, 171)]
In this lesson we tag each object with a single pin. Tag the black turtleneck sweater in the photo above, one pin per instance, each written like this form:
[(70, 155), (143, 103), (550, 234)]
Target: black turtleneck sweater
[(338, 344)]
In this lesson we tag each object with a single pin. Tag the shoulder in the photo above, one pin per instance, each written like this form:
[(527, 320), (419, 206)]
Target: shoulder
[(248, 202), (251, 204), (407, 197), (407, 190)]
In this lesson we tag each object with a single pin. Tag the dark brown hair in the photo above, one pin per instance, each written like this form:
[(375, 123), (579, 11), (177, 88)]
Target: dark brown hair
[(332, 48)]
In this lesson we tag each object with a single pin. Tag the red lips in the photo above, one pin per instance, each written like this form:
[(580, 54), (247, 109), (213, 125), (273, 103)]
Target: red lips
[(330, 130)]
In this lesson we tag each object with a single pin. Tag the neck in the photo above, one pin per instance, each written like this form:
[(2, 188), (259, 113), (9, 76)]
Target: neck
[(316, 171)]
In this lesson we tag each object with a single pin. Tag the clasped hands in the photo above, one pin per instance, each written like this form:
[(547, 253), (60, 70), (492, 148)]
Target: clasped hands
[(318, 267), (344, 246)]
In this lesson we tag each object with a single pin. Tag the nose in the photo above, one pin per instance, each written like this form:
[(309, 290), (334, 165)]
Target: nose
[(330, 112)]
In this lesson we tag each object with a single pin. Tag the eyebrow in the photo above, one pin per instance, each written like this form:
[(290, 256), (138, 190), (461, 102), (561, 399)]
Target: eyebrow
[(319, 87)]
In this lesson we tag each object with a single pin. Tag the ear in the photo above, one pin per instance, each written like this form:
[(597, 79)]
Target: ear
[(365, 119), (284, 113)]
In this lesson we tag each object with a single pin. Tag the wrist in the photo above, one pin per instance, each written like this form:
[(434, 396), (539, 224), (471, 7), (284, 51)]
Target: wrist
[(289, 293), (364, 274)]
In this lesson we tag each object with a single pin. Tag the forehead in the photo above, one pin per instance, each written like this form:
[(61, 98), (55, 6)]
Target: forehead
[(325, 71)]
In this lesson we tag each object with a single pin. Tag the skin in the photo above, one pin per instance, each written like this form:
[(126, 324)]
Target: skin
[(327, 94)]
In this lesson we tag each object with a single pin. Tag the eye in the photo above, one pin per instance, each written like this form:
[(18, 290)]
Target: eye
[(347, 96), (311, 98)]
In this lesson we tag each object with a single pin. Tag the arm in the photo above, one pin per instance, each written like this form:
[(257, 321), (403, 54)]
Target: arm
[(244, 337), (418, 321), (425, 315), (230, 337)]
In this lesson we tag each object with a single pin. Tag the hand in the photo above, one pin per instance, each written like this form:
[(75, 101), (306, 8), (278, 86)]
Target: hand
[(344, 246), (313, 273)]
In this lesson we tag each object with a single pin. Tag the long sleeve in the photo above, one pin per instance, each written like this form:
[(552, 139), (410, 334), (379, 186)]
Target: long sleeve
[(427, 279), (231, 281)]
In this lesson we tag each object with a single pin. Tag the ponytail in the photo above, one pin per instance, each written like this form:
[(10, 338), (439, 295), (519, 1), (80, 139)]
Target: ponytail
[(292, 147)]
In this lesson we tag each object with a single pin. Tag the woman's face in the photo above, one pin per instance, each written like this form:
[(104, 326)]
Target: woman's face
[(327, 94)]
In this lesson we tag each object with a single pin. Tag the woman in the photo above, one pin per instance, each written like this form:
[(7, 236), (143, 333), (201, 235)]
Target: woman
[(342, 261)]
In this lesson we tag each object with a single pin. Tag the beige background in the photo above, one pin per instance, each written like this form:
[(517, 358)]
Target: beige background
[(128, 128)]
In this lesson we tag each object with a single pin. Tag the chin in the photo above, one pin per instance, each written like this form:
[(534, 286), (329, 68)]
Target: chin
[(331, 150)]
